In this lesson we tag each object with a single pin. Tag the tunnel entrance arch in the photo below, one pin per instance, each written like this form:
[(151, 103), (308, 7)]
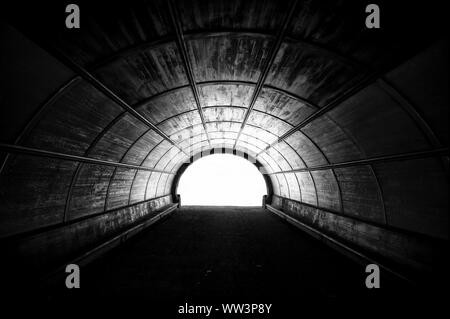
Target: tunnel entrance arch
[(231, 173)]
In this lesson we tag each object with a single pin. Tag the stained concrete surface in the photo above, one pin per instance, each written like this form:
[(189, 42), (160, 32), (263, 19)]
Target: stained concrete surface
[(222, 252)]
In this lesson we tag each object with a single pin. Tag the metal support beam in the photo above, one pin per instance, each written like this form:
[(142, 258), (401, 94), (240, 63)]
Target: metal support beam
[(181, 44), (268, 65), (99, 250), (87, 76), (370, 78), (374, 160), (68, 157)]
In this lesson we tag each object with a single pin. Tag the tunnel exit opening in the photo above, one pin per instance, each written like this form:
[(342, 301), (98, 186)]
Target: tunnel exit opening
[(222, 180)]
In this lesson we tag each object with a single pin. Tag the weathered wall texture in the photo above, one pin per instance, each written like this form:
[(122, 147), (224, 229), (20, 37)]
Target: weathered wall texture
[(403, 250), (51, 248), (300, 93)]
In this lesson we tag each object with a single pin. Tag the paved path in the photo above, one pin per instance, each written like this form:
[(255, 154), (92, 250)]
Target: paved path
[(226, 254)]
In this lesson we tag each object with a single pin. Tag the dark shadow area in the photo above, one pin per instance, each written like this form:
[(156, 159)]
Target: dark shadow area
[(212, 255)]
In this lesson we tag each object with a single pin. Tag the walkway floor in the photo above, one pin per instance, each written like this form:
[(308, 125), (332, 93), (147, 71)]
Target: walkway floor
[(225, 253)]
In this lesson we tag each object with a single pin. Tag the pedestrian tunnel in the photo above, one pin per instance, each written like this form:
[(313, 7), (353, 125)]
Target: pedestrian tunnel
[(98, 127)]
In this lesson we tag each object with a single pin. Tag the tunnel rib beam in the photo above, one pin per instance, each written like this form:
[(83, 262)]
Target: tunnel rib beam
[(115, 170), (181, 44), (268, 65), (375, 76), (74, 158), (135, 174), (439, 152)]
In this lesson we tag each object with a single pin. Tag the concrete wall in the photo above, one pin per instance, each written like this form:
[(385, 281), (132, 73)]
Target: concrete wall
[(52, 247), (410, 251), (373, 93)]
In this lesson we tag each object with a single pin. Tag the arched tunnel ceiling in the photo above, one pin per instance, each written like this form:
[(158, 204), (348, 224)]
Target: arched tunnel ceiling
[(300, 85)]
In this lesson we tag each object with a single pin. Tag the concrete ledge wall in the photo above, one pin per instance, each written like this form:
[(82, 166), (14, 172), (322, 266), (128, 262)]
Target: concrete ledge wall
[(58, 245), (411, 251)]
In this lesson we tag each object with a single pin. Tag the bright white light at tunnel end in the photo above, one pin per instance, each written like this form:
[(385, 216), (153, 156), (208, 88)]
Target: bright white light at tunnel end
[(222, 180)]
